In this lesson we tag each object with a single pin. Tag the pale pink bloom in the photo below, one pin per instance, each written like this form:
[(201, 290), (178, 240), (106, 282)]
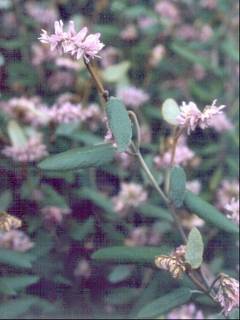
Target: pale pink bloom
[(32, 150), (167, 9), (209, 114), (129, 33), (221, 123), (83, 269), (44, 15), (15, 240), (124, 159), (146, 22), (183, 154), (77, 44), (154, 236), (53, 214), (228, 293), (92, 116), (41, 53), (132, 96), (188, 311), (109, 56), (157, 55), (228, 189), (206, 33), (67, 63), (137, 237), (190, 116), (208, 4), (186, 32), (66, 113), (28, 110), (194, 186), (131, 195), (233, 208), (61, 79)]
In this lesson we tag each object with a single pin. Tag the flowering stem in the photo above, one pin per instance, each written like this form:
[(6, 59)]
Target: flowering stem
[(100, 88)]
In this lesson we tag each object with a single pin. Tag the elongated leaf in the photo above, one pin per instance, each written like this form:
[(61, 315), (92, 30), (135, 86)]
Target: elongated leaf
[(177, 186), (16, 134), (119, 123), (164, 304), (119, 273), (79, 158), (5, 200), (17, 283), (170, 111), (139, 255), (194, 250), (15, 259), (209, 213), (153, 211), (79, 232), (121, 296)]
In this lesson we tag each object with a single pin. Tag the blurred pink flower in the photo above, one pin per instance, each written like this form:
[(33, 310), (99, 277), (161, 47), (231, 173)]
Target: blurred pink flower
[(132, 96), (194, 186), (188, 311), (228, 293), (109, 56), (228, 189), (209, 114), (67, 63), (186, 32), (83, 269), (131, 195), (43, 15), (41, 54), (157, 55), (77, 44), (66, 113), (167, 9), (60, 79), (15, 240), (138, 237), (221, 123), (129, 33), (146, 22), (33, 150), (53, 214), (233, 208), (206, 33), (124, 159), (208, 4)]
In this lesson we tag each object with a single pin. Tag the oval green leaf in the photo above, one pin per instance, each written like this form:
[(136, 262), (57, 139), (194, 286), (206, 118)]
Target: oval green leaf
[(16, 134), (194, 249), (116, 72), (164, 304), (15, 259), (124, 255), (170, 111), (119, 123), (177, 186), (79, 158), (209, 213)]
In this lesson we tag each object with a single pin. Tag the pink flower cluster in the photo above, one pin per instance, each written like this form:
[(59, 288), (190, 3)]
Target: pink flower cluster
[(191, 117), (131, 195), (228, 293), (54, 215), (15, 240), (33, 150), (83, 269), (132, 96), (77, 44), (188, 311), (228, 189), (233, 208), (143, 235), (166, 9), (183, 154), (66, 113)]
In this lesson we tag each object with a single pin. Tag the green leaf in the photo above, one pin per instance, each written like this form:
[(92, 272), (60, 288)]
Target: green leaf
[(5, 289), (194, 249), (16, 134), (170, 111), (52, 198), (116, 72), (15, 259), (124, 255), (119, 273), (80, 232), (209, 213), (153, 211), (17, 283), (164, 304), (121, 296), (119, 123), (79, 158), (177, 186), (5, 200)]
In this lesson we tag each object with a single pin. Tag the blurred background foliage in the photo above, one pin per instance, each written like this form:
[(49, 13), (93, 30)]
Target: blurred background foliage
[(196, 59)]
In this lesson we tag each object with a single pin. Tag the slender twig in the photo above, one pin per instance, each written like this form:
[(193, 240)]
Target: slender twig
[(138, 131)]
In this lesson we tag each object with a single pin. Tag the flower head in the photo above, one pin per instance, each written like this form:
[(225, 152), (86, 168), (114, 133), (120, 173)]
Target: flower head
[(233, 208), (187, 311), (16, 240), (132, 96), (228, 293), (209, 113)]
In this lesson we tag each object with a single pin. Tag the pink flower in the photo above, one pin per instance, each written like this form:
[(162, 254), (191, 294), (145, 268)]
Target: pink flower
[(77, 44), (60, 79), (66, 113), (15, 240), (194, 186), (190, 116), (229, 189), (221, 123), (132, 96), (54, 214), (83, 269), (186, 312), (32, 150), (137, 237), (167, 9), (109, 56), (209, 114), (233, 208), (157, 55), (129, 33), (228, 293), (131, 195)]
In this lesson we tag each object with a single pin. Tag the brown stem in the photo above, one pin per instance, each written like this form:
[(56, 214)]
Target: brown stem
[(176, 137)]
